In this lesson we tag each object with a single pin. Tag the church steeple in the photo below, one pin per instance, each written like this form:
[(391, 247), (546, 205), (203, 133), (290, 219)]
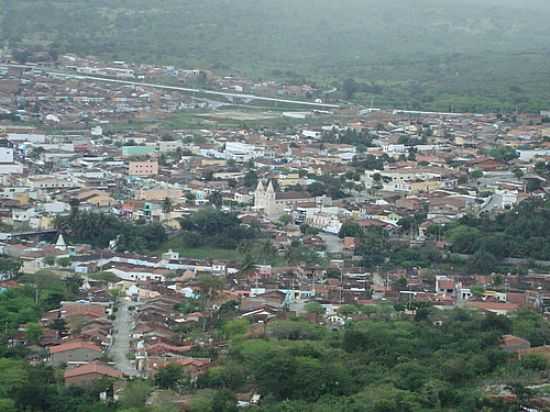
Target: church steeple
[(260, 187)]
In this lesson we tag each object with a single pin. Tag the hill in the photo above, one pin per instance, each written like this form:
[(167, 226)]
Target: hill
[(431, 54)]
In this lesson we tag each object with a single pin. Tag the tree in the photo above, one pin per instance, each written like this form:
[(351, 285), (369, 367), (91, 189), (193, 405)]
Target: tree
[(167, 205), (518, 173), (349, 88), (13, 376), (215, 199), (285, 219), (210, 286), (400, 284), (315, 308), (250, 179), (476, 174), (7, 405), (9, 267), (317, 189), (350, 228), (49, 260), (64, 262), (235, 327), (483, 263), (33, 333), (135, 394), (533, 185), (503, 153), (170, 377), (534, 361), (464, 239)]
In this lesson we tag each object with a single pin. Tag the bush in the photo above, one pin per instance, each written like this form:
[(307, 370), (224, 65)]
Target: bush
[(534, 361)]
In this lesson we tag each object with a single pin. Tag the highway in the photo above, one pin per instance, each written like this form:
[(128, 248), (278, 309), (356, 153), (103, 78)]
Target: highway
[(246, 97)]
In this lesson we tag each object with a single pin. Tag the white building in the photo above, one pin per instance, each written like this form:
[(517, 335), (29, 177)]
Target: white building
[(241, 151), (6, 152)]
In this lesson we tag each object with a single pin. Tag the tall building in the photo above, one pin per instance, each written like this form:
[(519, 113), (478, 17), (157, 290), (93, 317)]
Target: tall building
[(274, 203)]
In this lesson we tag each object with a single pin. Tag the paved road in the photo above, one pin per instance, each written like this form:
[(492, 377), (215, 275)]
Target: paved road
[(121, 340), (246, 97)]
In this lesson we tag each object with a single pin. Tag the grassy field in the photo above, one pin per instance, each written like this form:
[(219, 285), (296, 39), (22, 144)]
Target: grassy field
[(176, 245), (206, 252), (244, 119)]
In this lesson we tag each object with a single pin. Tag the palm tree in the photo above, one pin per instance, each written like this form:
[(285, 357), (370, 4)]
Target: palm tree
[(210, 286)]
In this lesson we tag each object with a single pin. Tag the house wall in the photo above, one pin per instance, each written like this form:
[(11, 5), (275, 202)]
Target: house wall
[(76, 355), (143, 168)]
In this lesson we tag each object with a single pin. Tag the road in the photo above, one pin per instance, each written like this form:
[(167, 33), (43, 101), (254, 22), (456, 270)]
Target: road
[(245, 97), (121, 340)]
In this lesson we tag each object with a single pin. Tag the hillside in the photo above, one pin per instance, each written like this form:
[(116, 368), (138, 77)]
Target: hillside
[(434, 54)]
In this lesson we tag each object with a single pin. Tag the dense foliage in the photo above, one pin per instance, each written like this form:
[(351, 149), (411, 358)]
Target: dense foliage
[(98, 229), (383, 364), (213, 227), (523, 232)]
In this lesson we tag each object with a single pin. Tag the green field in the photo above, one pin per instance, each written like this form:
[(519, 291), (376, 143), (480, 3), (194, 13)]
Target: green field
[(176, 245)]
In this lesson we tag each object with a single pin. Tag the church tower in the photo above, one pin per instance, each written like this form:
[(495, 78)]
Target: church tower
[(259, 196), (270, 199)]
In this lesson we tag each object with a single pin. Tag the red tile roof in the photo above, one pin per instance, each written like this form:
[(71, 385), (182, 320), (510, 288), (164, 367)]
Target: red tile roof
[(165, 348), (83, 309), (64, 347), (511, 340), (94, 367), (493, 306)]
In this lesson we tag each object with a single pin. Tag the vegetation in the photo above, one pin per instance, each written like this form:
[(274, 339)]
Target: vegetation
[(442, 55), (99, 229), (522, 232), (215, 228), (390, 362), (384, 364)]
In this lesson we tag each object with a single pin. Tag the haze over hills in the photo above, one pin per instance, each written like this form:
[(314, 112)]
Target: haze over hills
[(469, 55)]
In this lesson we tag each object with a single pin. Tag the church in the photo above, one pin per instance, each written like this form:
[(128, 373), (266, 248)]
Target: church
[(274, 203)]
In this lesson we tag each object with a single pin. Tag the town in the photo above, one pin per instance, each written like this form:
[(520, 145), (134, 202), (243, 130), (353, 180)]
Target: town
[(153, 241)]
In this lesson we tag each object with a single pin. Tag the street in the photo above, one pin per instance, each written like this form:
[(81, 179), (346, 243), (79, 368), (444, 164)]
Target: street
[(121, 340)]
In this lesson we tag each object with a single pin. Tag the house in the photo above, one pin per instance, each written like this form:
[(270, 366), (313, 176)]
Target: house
[(73, 353), (514, 344), (143, 169), (445, 285), (96, 198), (85, 312), (86, 375), (194, 367), (500, 308)]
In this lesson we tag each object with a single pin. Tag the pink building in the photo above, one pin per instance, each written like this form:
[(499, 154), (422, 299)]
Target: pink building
[(145, 168)]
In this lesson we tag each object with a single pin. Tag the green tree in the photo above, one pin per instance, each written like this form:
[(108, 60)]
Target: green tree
[(167, 205), (170, 377), (349, 88), (135, 394), (10, 267), (216, 199), (250, 179), (33, 333), (350, 228), (63, 262), (315, 308), (235, 327)]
